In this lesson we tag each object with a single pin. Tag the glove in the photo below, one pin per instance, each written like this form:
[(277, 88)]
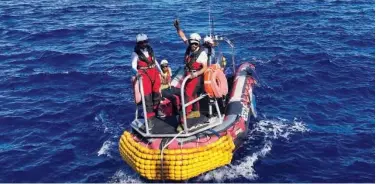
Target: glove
[(176, 24)]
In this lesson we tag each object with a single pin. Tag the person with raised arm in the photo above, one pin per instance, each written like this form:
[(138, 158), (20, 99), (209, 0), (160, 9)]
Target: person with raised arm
[(195, 60)]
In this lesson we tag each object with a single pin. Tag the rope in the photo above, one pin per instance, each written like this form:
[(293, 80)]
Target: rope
[(214, 132), (164, 147)]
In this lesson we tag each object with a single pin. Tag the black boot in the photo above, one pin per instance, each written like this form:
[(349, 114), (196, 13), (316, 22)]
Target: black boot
[(150, 124)]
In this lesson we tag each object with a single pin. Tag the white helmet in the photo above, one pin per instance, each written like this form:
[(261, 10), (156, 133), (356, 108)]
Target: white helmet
[(194, 38), (208, 39), (164, 62), (141, 37)]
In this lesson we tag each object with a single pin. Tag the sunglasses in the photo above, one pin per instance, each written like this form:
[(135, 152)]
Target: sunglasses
[(195, 44), (143, 42), (164, 66)]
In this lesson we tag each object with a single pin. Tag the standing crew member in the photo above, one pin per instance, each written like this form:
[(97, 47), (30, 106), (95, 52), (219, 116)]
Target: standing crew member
[(208, 44), (145, 64), (195, 60)]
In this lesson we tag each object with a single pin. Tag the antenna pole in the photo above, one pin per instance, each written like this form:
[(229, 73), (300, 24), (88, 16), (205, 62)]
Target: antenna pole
[(210, 33), (212, 26)]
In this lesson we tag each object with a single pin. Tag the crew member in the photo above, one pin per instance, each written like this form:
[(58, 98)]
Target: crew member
[(145, 65)]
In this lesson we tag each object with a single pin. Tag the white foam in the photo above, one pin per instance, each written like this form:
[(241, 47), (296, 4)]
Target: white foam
[(105, 149), (257, 60), (102, 121), (218, 175), (100, 117), (244, 167), (122, 177), (271, 130), (274, 129)]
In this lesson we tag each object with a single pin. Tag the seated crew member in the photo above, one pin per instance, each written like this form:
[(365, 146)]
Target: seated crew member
[(145, 64), (165, 75)]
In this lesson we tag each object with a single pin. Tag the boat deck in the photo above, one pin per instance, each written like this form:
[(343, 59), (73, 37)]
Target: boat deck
[(168, 125)]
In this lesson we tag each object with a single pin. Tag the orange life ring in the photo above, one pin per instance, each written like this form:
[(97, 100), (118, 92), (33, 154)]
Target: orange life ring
[(136, 90), (215, 82)]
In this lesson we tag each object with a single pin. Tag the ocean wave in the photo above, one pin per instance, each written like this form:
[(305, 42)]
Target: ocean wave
[(15, 33), (112, 44), (268, 48), (26, 70), (54, 80), (298, 81), (297, 13), (65, 94), (17, 57), (55, 34), (367, 92), (75, 76), (364, 42), (60, 58)]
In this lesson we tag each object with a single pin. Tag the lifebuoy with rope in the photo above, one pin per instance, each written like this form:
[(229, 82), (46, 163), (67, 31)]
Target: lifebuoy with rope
[(215, 82)]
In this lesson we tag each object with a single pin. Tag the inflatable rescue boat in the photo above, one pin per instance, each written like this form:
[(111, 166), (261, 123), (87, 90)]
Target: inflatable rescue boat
[(206, 142)]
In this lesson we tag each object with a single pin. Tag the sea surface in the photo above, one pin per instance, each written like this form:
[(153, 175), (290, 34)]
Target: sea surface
[(65, 93)]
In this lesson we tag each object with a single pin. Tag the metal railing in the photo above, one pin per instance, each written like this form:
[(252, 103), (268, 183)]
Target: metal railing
[(228, 41), (137, 123), (146, 124)]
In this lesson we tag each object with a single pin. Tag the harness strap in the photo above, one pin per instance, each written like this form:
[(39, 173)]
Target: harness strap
[(146, 67), (142, 57), (192, 57)]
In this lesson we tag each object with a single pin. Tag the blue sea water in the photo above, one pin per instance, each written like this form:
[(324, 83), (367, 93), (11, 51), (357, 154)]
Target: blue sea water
[(65, 94)]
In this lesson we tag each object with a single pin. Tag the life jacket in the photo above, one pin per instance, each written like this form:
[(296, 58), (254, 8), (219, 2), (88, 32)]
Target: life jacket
[(143, 61), (191, 59), (166, 79)]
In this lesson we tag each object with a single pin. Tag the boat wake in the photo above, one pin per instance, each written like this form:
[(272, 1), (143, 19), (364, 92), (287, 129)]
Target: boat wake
[(263, 133), (125, 177), (103, 123), (106, 148)]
